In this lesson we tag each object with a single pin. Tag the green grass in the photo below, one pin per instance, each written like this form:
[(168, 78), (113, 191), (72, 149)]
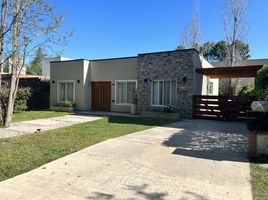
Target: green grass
[(31, 115), (259, 181), (24, 153)]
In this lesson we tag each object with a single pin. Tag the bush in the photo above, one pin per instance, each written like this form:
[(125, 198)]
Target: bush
[(261, 88), (22, 98), (247, 90), (66, 103)]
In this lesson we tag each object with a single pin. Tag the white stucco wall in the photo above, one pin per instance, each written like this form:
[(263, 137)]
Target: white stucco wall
[(200, 82), (46, 64)]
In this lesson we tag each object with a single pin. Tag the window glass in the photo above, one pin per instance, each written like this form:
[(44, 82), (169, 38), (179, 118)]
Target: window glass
[(66, 91), (163, 92), (210, 87), (62, 91), (125, 92), (155, 93), (70, 90)]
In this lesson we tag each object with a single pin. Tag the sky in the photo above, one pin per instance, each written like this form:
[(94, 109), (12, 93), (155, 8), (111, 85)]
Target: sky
[(121, 28)]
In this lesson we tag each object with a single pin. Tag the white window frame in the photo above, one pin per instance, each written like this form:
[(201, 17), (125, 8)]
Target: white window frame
[(58, 89), (158, 105), (123, 81)]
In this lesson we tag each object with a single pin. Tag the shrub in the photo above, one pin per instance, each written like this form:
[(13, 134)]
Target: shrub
[(261, 88), (66, 103), (247, 90), (22, 98)]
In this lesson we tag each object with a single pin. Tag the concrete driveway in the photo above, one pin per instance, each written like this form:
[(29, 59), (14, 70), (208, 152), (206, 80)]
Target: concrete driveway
[(27, 127), (192, 159)]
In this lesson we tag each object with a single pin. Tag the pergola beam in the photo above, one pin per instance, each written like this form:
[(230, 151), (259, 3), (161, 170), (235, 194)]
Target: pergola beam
[(230, 72)]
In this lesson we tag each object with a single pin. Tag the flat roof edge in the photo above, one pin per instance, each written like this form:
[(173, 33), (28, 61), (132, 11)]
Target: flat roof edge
[(74, 60), (190, 49), (104, 59)]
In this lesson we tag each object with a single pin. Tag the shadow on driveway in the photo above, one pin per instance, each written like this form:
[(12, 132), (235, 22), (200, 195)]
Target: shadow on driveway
[(210, 140)]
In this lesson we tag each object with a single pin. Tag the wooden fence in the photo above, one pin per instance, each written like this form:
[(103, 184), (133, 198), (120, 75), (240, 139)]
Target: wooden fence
[(225, 108)]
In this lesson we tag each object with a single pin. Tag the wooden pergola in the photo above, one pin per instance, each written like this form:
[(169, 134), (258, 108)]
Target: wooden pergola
[(230, 72)]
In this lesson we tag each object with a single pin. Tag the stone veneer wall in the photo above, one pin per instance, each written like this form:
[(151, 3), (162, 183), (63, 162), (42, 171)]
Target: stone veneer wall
[(172, 65)]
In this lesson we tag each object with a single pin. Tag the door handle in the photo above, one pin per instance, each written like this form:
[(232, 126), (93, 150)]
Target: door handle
[(99, 96), (102, 94)]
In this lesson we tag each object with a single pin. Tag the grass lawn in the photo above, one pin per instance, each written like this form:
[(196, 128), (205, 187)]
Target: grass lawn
[(31, 115), (24, 153), (259, 181)]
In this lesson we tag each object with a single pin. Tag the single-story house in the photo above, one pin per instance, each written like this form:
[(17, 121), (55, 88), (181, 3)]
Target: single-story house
[(150, 81)]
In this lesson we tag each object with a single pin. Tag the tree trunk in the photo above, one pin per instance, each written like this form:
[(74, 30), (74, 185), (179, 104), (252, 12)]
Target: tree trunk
[(15, 64), (2, 30)]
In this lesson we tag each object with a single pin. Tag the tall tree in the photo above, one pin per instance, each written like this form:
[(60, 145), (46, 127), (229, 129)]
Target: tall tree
[(206, 49), (235, 26), (36, 24), (191, 36), (217, 52), (35, 67)]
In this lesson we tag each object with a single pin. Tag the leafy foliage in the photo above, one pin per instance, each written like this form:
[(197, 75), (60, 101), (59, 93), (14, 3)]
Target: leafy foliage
[(218, 52), (261, 88), (262, 78), (247, 90), (22, 98)]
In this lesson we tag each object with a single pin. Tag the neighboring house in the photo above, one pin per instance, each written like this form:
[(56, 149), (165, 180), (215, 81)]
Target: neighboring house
[(6, 69), (246, 63), (25, 80), (46, 64), (150, 81)]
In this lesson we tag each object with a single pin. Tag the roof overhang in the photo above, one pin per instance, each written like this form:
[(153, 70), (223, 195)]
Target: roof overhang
[(230, 72)]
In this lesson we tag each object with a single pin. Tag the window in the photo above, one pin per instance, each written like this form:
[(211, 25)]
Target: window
[(163, 93), (65, 91), (210, 87), (125, 92)]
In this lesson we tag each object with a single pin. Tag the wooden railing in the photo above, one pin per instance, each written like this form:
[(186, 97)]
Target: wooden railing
[(225, 108)]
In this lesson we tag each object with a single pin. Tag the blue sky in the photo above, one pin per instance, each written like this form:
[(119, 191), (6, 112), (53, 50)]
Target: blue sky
[(118, 28)]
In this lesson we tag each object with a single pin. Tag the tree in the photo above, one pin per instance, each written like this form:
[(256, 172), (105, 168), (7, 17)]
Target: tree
[(35, 67), (191, 36), (35, 23), (206, 49), (235, 26), (180, 47), (217, 52)]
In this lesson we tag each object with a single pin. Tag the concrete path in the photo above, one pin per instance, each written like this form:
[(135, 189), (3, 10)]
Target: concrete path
[(26, 127), (192, 159)]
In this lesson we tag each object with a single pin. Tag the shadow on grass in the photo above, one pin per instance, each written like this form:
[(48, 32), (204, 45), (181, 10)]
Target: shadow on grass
[(140, 121)]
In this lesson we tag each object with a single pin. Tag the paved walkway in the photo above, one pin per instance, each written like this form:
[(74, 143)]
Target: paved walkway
[(26, 127), (192, 159)]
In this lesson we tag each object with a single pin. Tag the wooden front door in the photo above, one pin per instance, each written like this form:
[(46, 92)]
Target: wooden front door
[(101, 96)]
